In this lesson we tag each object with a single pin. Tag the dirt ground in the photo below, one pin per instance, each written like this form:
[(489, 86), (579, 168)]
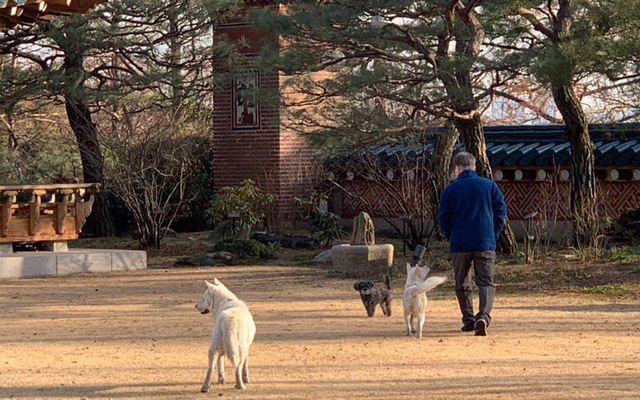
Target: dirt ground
[(136, 335)]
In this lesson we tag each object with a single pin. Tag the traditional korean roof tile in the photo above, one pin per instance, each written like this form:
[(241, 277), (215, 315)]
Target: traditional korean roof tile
[(615, 145)]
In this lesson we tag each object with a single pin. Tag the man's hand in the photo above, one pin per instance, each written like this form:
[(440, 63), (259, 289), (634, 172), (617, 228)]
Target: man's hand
[(499, 210)]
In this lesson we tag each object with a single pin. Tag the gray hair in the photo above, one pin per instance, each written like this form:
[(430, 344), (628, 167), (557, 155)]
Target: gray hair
[(464, 160)]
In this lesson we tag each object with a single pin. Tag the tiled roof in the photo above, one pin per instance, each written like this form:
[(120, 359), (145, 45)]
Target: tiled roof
[(616, 145)]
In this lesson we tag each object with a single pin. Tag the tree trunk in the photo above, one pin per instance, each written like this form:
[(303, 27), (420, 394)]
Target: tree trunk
[(100, 222), (584, 213), (455, 74), (7, 125), (440, 166), (175, 59), (472, 134), (9, 106)]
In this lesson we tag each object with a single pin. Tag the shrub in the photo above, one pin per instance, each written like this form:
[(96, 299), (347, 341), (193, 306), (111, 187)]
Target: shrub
[(326, 225), (247, 249), (247, 199), (622, 254), (148, 161), (611, 289)]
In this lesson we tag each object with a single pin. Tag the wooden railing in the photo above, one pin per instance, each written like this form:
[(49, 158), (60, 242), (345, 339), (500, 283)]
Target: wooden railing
[(28, 11), (44, 212)]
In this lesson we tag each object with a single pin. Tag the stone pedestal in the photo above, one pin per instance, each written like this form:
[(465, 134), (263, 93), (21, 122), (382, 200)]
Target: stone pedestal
[(55, 246), (362, 261), (6, 248)]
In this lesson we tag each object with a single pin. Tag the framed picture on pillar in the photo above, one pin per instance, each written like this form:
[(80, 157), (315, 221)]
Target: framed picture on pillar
[(245, 105)]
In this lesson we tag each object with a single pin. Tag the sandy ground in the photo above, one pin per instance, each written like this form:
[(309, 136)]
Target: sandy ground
[(137, 336)]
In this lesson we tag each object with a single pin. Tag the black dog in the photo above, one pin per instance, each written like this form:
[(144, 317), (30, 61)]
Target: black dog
[(372, 297)]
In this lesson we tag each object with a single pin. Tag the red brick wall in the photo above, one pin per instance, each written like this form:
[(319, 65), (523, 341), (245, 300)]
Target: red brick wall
[(244, 153), (272, 155), (299, 166)]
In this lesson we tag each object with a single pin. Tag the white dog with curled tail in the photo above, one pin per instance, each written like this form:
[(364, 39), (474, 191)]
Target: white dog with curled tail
[(233, 332), (414, 298)]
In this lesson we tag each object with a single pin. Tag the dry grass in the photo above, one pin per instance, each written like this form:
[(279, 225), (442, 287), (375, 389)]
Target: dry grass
[(615, 275)]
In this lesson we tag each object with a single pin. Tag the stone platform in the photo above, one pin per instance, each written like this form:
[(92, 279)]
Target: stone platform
[(362, 261), (48, 263)]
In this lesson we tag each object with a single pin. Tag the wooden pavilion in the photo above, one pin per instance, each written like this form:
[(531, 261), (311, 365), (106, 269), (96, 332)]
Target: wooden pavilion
[(15, 12)]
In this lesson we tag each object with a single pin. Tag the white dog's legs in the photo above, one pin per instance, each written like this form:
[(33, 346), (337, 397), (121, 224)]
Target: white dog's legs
[(408, 323), (213, 354), (238, 363), (245, 370), (221, 369), (420, 325)]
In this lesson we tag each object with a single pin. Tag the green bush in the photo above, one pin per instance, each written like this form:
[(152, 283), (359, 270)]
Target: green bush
[(326, 226), (247, 199), (608, 289), (247, 249), (622, 254)]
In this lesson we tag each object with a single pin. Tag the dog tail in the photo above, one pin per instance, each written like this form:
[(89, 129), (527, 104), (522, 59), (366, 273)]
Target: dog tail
[(232, 343), (430, 284), (387, 282)]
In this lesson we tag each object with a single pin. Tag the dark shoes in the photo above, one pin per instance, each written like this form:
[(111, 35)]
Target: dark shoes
[(469, 327), (481, 327)]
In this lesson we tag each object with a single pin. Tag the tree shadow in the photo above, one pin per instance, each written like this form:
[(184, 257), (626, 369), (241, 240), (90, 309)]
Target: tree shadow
[(609, 307)]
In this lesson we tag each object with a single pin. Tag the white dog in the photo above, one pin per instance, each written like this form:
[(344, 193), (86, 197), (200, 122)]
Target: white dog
[(414, 298), (232, 334)]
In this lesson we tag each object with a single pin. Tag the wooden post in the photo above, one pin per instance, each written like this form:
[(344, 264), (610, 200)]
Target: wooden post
[(34, 210), (61, 210), (528, 237), (6, 211), (83, 207)]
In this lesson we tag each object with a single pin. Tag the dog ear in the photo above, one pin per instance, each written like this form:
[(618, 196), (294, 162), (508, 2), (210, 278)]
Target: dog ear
[(369, 284), (408, 268), (209, 285), (217, 282)]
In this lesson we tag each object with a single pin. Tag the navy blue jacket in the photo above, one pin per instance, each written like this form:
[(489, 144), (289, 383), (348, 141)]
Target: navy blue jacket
[(472, 213)]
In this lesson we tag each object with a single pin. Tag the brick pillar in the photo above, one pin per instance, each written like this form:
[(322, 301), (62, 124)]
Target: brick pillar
[(262, 150)]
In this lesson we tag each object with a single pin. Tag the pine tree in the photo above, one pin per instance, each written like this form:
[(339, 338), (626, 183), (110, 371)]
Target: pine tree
[(398, 66), (560, 43), (162, 51)]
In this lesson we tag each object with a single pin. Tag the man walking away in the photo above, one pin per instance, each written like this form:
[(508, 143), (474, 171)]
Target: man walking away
[(471, 215)]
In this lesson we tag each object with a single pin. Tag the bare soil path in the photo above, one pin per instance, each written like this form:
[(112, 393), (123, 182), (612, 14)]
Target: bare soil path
[(137, 335)]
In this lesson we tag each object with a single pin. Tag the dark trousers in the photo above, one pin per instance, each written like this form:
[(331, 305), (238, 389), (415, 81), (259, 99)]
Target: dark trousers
[(484, 266)]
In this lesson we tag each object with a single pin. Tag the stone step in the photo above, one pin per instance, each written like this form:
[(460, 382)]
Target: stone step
[(39, 264)]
